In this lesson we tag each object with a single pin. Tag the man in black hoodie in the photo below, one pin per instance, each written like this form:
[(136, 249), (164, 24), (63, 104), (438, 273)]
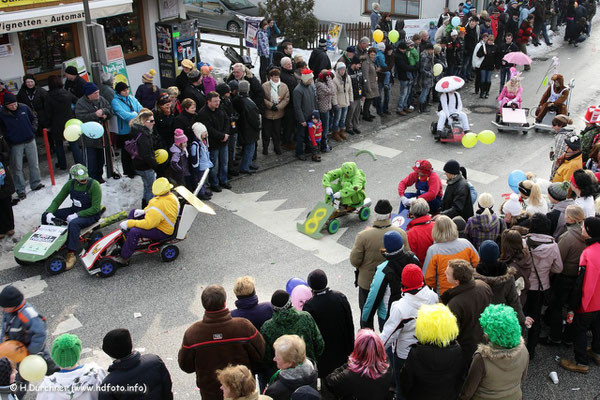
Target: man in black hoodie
[(319, 60)]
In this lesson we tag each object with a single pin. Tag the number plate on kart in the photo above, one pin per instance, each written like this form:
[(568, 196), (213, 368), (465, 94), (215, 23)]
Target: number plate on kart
[(316, 220)]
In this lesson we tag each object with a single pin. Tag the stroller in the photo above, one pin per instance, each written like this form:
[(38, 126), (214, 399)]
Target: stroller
[(235, 58)]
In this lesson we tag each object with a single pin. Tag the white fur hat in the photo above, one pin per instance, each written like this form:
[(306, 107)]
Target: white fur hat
[(198, 128)]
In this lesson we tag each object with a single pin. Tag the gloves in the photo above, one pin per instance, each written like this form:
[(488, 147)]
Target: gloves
[(274, 107), (72, 217), (138, 213), (123, 225), (410, 201), (49, 218), (337, 195), (404, 201), (329, 191)]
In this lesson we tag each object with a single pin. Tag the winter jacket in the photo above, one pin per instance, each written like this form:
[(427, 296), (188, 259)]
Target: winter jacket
[(199, 157), (571, 244), (481, 227), (290, 379), (432, 373), (126, 109), (346, 384), (454, 52), (58, 111), (146, 370), (107, 91), (183, 121), (18, 126), (332, 313), (289, 321), (8, 188), (262, 42), (496, 373), (326, 95), (525, 33), (182, 81), (77, 384), (419, 233), (256, 90), (471, 40), (358, 83), (457, 199), (319, 60), (588, 138), (75, 86), (587, 204), (164, 126), (557, 217), (467, 301), (387, 285), (476, 58), (34, 98), (437, 258), (404, 312), (531, 209), (180, 167), (343, 87), (502, 50), (567, 168), (366, 251), (522, 267), (590, 293), (217, 124), (85, 110), (248, 307), (157, 209), (216, 342), (546, 260), (249, 122), (284, 99), (145, 149), (426, 69), (305, 102), (288, 77), (25, 325), (403, 65), (433, 181), (489, 57), (195, 93), (147, 94), (371, 89)]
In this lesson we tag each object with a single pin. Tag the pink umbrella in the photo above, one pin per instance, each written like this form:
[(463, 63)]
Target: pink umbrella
[(517, 58), (449, 84)]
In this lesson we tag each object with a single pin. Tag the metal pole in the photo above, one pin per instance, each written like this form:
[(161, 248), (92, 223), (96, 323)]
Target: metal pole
[(96, 66)]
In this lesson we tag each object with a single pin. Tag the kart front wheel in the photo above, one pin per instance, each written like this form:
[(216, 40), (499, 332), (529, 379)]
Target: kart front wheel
[(107, 267), (169, 253), (364, 213), (333, 226), (56, 265), (94, 237)]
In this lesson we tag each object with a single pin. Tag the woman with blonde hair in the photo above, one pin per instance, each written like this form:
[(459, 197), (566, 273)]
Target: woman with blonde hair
[(144, 162), (447, 246), (532, 197), (237, 383), (173, 92), (484, 225)]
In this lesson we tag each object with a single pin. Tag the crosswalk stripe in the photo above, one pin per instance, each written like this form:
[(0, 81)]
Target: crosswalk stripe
[(472, 174), (68, 325), (376, 149), (30, 287)]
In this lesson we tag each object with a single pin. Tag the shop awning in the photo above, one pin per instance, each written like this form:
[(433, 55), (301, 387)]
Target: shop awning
[(60, 15)]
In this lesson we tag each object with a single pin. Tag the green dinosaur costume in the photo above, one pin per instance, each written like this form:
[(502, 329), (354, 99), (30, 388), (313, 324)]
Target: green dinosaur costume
[(350, 183)]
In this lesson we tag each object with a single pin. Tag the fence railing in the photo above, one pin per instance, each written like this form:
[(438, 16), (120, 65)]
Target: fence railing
[(354, 32), (239, 35)]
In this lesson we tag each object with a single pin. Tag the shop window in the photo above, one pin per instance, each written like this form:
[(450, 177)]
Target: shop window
[(44, 50), (128, 31), (403, 8)]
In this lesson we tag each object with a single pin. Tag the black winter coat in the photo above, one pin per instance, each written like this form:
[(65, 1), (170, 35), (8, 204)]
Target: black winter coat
[(182, 82), (457, 199), (332, 313), (257, 94), (164, 127), (183, 121), (319, 61), (8, 188), (195, 93), (290, 80), (145, 148), (58, 111), (217, 125), (146, 370), (358, 83), (503, 50), (75, 87), (348, 385), (249, 122), (489, 57), (35, 99), (454, 52), (432, 373), (512, 26), (471, 40), (232, 114)]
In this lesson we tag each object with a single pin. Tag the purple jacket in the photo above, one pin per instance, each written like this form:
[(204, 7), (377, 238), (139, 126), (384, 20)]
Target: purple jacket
[(147, 94), (255, 312)]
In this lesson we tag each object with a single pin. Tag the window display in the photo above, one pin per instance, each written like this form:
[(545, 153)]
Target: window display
[(126, 30), (44, 50)]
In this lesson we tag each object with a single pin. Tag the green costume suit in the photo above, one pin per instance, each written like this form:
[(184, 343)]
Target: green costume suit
[(350, 183)]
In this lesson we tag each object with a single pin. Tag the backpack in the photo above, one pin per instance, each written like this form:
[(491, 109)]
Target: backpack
[(132, 148)]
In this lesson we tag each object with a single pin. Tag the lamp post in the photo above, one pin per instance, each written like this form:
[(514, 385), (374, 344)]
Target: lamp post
[(96, 66)]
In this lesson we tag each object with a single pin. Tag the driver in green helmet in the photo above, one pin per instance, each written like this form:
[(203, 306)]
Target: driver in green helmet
[(349, 188)]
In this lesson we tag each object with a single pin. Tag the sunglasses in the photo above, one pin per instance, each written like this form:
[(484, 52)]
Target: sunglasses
[(151, 121)]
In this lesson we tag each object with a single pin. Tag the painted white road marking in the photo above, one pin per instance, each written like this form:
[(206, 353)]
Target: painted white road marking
[(68, 325), (282, 223), (376, 149), (30, 287), (472, 174)]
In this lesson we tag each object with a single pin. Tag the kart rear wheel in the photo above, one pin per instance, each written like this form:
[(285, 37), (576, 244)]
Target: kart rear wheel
[(107, 267), (364, 213), (333, 226), (94, 237), (56, 265), (169, 253)]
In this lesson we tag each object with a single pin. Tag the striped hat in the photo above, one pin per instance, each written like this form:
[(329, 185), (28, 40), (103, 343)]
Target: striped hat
[(148, 77)]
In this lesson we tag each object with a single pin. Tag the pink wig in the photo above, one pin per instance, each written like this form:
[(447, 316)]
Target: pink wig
[(368, 358)]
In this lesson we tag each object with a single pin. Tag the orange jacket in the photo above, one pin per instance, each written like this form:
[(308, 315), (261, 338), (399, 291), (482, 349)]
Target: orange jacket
[(437, 258)]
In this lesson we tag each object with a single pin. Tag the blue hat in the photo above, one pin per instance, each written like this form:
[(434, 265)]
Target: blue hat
[(392, 241), (489, 251), (350, 49), (89, 88)]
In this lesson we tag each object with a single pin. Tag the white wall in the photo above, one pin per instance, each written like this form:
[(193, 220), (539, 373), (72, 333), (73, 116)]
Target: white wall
[(135, 71), (433, 8), (348, 11)]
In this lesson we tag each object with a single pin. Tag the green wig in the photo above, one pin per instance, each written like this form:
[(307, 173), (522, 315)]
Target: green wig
[(436, 325), (500, 324)]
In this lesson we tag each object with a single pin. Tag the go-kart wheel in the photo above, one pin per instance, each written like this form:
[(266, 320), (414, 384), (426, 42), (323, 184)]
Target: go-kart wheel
[(333, 226), (364, 213), (169, 253), (56, 265), (107, 267), (94, 237)]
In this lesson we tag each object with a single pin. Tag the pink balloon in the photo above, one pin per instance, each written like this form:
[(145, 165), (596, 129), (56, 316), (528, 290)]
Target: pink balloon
[(300, 295)]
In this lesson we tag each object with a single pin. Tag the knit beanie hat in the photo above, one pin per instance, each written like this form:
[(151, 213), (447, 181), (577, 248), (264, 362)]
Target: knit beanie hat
[(350, 49), (89, 88), (205, 69), (322, 43), (500, 324), (222, 89), (120, 86), (573, 142), (539, 223), (71, 70), (317, 280), (5, 371), (452, 167), (117, 343), (179, 136), (307, 74), (244, 86), (460, 223), (187, 64), (512, 206), (234, 85), (11, 297), (392, 241), (66, 350), (592, 226), (559, 190), (489, 251), (412, 278), (148, 77), (383, 207), (280, 299), (199, 128), (9, 98), (340, 66)]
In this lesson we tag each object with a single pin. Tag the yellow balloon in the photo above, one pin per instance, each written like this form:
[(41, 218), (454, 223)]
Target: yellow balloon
[(378, 35), (161, 156), (486, 137), (469, 140), (33, 368), (437, 69), (73, 121), (72, 133)]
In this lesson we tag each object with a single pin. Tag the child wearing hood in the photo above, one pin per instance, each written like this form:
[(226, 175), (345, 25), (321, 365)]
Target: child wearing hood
[(179, 158), (208, 82), (200, 158)]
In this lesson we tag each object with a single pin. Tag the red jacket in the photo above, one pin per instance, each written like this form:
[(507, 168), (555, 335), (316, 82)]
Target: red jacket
[(419, 236), (525, 32), (590, 299), (435, 186)]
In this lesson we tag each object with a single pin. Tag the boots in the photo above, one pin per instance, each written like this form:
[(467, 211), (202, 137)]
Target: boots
[(336, 136), (488, 85), (421, 107), (342, 134), (71, 260)]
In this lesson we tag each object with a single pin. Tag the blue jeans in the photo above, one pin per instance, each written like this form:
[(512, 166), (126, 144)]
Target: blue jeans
[(325, 122), (301, 137), (148, 178), (424, 94), (247, 153), (17, 151), (486, 76), (403, 98), (219, 158), (61, 157), (95, 162), (504, 76), (339, 118), (75, 226), (383, 102), (397, 364), (467, 68)]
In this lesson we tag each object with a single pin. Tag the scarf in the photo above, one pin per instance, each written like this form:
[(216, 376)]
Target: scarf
[(274, 91)]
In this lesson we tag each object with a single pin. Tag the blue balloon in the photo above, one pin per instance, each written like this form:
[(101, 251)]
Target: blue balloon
[(455, 21), (93, 130), (514, 178), (292, 283)]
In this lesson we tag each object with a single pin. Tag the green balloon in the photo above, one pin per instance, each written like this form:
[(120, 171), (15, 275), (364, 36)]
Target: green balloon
[(393, 36), (73, 121), (486, 137)]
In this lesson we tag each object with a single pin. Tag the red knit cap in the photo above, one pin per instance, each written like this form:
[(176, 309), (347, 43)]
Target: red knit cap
[(412, 278)]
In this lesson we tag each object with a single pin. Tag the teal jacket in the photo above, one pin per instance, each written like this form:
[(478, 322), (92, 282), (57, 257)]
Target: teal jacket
[(126, 109)]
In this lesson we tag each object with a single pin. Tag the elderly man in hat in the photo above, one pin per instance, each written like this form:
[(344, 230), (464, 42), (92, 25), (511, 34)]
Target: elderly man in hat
[(347, 57), (427, 184)]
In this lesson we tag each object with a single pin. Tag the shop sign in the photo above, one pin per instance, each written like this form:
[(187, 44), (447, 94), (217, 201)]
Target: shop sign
[(116, 64), (79, 63), (41, 22), (20, 3)]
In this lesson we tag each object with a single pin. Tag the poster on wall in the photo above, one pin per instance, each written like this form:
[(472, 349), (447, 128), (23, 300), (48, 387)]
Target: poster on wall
[(6, 50), (168, 9), (412, 26), (251, 27), (333, 36), (116, 64), (78, 63), (13, 84), (185, 48)]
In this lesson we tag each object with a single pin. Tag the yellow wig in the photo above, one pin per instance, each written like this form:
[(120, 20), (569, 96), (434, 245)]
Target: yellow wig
[(436, 325)]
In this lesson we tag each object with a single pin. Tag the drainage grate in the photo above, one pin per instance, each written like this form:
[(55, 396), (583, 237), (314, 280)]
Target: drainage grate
[(540, 58), (483, 109)]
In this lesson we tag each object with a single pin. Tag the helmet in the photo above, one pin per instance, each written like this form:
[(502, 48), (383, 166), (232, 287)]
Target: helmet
[(79, 172), (423, 166), (161, 186)]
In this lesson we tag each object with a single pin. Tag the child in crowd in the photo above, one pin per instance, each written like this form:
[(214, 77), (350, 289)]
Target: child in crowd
[(315, 134), (179, 158), (208, 82), (199, 158)]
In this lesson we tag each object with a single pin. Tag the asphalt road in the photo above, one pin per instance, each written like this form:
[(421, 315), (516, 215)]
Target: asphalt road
[(257, 237)]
